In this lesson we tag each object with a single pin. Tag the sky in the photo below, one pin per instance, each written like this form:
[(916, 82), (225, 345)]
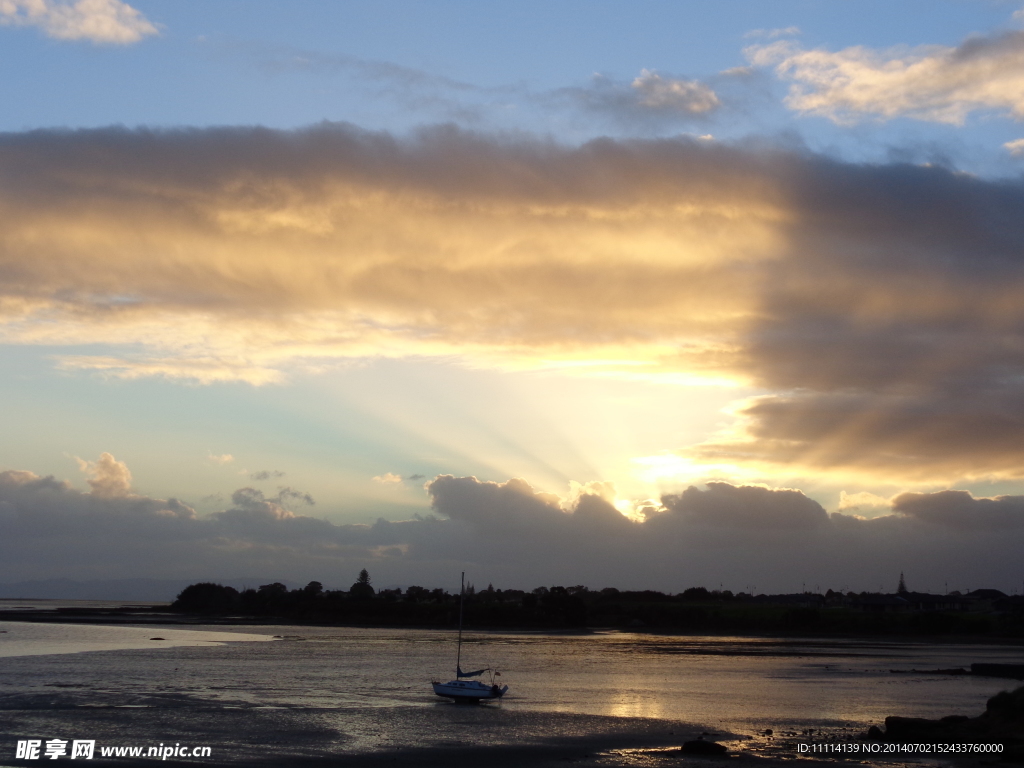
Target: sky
[(646, 295)]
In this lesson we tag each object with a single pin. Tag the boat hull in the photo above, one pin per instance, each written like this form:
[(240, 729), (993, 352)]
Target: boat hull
[(469, 691)]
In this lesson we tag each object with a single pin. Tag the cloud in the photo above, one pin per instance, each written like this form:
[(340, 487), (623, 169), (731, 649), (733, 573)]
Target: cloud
[(777, 538), (266, 474), (723, 504), (1015, 147), (98, 21), (416, 477), (516, 535), (108, 477), (286, 494), (889, 339), (388, 478), (280, 59), (414, 89), (205, 369), (50, 527), (243, 254), (960, 510), (224, 458), (652, 101), (862, 499), (929, 437), (874, 307), (934, 83), (663, 93)]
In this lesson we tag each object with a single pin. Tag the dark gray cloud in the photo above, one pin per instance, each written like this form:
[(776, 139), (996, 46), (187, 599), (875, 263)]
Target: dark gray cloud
[(778, 539), (927, 436), (514, 535), (891, 331), (266, 474), (286, 494), (960, 510), (52, 528), (731, 506)]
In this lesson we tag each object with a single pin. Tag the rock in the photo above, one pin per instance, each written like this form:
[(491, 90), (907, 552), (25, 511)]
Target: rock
[(954, 719), (914, 729), (875, 734), (701, 747), (1001, 722)]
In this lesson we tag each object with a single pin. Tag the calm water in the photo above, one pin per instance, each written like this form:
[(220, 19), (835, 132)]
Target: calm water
[(26, 639), (357, 690)]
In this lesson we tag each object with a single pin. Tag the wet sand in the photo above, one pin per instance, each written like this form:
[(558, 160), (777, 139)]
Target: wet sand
[(260, 737)]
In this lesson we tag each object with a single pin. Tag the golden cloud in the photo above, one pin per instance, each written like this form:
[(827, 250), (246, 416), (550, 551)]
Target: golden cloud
[(234, 254), (877, 308)]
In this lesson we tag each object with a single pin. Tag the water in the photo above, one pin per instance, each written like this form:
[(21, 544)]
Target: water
[(52, 604), (318, 691), (25, 639)]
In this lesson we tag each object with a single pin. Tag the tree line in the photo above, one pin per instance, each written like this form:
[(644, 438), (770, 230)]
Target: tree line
[(693, 610)]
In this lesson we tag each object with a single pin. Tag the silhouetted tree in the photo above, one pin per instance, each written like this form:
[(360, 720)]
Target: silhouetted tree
[(696, 593), (361, 590), (207, 597), (414, 594)]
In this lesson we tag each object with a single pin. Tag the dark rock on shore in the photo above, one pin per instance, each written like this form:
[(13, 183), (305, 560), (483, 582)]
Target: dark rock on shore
[(922, 729), (1002, 722), (701, 747)]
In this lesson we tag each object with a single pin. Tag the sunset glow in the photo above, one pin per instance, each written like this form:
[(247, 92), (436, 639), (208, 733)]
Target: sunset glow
[(699, 310)]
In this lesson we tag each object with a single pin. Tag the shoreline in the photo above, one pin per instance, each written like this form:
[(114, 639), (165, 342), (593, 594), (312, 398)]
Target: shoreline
[(144, 617), (148, 616)]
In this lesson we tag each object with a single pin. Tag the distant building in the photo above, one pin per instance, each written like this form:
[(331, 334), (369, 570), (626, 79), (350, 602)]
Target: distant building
[(923, 601), (984, 599), (880, 603)]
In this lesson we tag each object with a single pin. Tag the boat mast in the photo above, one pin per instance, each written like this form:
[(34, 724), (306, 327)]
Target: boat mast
[(458, 658)]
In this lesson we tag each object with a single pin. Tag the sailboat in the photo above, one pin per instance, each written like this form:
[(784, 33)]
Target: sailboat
[(462, 689)]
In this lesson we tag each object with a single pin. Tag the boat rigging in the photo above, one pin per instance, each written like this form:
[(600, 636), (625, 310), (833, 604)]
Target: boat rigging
[(468, 691)]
